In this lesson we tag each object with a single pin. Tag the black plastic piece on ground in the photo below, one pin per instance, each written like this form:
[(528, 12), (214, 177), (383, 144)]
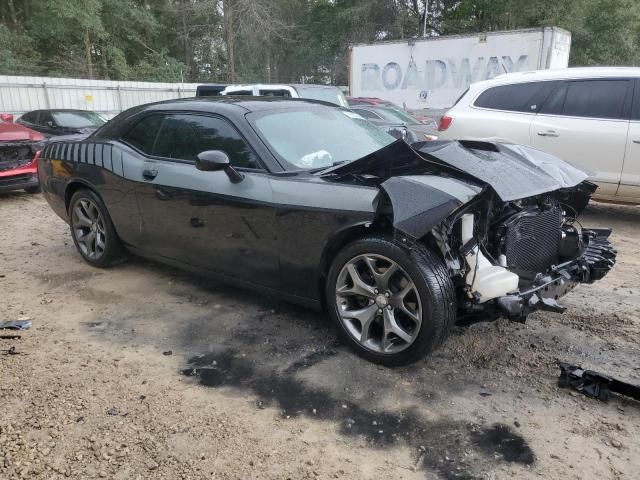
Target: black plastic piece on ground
[(594, 384)]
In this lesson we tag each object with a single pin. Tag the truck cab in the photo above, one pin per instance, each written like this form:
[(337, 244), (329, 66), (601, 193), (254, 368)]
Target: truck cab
[(326, 93)]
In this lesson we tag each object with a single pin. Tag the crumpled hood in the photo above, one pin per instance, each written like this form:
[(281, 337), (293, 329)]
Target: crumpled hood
[(426, 182), (513, 171)]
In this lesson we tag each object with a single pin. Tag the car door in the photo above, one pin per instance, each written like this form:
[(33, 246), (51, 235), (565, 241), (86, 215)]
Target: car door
[(585, 122), (629, 188), (201, 218)]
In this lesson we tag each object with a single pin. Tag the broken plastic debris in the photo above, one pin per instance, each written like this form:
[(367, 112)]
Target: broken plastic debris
[(594, 384)]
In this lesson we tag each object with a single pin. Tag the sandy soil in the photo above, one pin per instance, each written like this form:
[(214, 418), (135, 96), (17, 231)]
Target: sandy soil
[(102, 385)]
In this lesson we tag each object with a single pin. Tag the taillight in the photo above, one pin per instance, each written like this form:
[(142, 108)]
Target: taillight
[(34, 162), (445, 122)]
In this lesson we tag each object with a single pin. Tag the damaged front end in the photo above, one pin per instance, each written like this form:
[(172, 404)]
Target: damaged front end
[(520, 256), (504, 218)]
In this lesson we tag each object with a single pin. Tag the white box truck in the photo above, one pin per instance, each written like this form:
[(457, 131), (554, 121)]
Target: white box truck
[(432, 73)]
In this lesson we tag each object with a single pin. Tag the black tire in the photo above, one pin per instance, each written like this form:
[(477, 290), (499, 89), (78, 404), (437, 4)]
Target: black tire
[(432, 282), (113, 251), (32, 190)]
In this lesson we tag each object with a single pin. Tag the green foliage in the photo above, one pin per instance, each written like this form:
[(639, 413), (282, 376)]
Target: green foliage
[(158, 67), (16, 51), (276, 40)]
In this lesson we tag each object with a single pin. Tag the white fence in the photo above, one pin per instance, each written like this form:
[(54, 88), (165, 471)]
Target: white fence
[(22, 94)]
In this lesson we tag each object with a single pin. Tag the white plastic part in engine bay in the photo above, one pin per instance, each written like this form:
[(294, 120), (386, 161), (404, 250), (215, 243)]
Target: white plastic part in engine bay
[(486, 280)]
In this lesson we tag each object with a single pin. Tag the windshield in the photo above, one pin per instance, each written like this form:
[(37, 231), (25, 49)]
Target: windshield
[(333, 95), (78, 119), (318, 137), (393, 115)]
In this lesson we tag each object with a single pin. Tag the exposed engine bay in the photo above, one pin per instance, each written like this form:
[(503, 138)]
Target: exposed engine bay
[(512, 258)]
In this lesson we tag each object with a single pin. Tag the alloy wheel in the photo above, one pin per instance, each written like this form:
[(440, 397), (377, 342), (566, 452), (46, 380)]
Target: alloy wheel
[(378, 303), (89, 228)]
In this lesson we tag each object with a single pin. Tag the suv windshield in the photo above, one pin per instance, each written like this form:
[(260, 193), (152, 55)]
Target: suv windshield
[(327, 94), (78, 119), (318, 137)]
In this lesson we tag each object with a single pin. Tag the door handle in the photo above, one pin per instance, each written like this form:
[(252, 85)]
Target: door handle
[(149, 174), (549, 133), (637, 141)]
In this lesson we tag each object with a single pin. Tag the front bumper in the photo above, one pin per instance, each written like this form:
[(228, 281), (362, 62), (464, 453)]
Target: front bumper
[(596, 260), (18, 182), (20, 177)]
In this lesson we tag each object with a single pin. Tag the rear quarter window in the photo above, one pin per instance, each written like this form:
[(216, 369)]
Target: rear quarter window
[(519, 97), (143, 134)]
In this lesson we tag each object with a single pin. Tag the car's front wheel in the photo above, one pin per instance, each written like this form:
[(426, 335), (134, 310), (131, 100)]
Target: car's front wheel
[(92, 230), (392, 305)]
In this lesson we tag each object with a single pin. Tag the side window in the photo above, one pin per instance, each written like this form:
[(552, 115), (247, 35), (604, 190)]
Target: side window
[(30, 117), (596, 99), (143, 134), (635, 114), (184, 136), (519, 97), (275, 93), (240, 92), (554, 104), (45, 118), (368, 114)]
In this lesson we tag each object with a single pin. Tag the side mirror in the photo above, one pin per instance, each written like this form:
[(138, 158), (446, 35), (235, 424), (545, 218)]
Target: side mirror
[(50, 124), (214, 160)]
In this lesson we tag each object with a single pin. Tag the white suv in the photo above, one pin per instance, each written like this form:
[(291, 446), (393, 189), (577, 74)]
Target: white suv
[(587, 116)]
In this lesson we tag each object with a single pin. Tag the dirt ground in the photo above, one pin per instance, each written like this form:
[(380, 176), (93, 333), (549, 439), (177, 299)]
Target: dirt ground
[(103, 384)]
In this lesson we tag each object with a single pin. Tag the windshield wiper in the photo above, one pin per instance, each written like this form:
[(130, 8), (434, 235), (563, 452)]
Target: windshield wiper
[(334, 164)]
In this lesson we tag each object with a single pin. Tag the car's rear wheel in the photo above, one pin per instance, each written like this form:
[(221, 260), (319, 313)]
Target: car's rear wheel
[(92, 230), (393, 306)]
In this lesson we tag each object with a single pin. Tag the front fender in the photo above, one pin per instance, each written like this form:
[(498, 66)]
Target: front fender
[(420, 202)]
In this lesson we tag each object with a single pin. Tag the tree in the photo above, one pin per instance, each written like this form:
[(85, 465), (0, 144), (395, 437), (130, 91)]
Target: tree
[(277, 40)]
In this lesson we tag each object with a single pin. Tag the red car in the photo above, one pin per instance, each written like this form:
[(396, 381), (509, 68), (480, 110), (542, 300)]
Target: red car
[(19, 151)]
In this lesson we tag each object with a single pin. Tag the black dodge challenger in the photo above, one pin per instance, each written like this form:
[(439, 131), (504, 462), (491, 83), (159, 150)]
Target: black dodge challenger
[(313, 202)]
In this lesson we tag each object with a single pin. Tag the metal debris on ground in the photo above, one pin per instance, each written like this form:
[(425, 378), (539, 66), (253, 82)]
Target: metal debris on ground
[(15, 324), (10, 337), (594, 384)]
